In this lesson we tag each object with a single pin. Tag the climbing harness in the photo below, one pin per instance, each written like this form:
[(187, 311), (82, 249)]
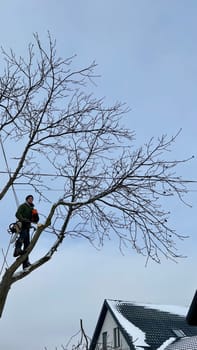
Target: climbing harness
[(14, 230)]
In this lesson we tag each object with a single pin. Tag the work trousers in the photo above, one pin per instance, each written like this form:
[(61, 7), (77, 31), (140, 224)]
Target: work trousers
[(24, 239)]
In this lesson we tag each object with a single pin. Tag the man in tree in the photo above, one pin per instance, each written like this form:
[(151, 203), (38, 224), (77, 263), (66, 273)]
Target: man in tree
[(26, 214)]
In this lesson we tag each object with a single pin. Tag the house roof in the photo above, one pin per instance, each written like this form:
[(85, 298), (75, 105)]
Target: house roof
[(187, 343), (147, 326)]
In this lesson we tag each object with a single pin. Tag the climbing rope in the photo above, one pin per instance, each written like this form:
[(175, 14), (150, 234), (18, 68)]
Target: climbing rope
[(17, 204), (9, 172)]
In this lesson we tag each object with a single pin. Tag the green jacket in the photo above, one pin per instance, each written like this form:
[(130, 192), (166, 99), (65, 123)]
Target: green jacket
[(24, 214)]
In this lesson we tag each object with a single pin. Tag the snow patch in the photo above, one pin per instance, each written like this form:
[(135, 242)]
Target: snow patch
[(173, 309), (166, 343), (17, 274), (137, 334)]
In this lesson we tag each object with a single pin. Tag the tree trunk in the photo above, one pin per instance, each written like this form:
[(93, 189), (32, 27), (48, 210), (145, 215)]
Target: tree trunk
[(5, 286)]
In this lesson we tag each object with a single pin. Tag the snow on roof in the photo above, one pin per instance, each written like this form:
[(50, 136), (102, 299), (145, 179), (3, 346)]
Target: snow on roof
[(166, 343), (173, 309), (137, 334)]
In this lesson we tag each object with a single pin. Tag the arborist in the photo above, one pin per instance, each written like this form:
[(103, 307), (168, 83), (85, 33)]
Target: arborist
[(26, 214)]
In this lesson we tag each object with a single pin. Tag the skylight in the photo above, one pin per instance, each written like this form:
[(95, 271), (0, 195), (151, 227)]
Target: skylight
[(179, 333)]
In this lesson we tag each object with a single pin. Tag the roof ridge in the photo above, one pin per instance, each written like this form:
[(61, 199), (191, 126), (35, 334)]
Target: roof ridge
[(169, 308)]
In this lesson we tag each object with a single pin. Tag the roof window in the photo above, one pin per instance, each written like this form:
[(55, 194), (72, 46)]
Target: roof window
[(179, 333)]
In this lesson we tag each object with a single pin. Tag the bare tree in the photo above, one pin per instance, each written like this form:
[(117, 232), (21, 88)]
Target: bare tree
[(78, 341), (49, 120)]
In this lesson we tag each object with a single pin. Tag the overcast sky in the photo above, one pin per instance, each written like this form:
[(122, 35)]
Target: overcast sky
[(147, 57)]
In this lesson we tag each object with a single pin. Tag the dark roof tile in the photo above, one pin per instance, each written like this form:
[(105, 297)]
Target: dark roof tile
[(158, 325)]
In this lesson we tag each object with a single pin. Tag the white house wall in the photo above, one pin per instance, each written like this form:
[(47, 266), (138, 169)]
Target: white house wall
[(108, 326)]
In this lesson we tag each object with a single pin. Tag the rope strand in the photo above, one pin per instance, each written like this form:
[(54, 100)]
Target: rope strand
[(9, 172), (17, 204)]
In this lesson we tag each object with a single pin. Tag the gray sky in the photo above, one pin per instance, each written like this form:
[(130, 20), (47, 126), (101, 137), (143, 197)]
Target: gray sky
[(147, 57)]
